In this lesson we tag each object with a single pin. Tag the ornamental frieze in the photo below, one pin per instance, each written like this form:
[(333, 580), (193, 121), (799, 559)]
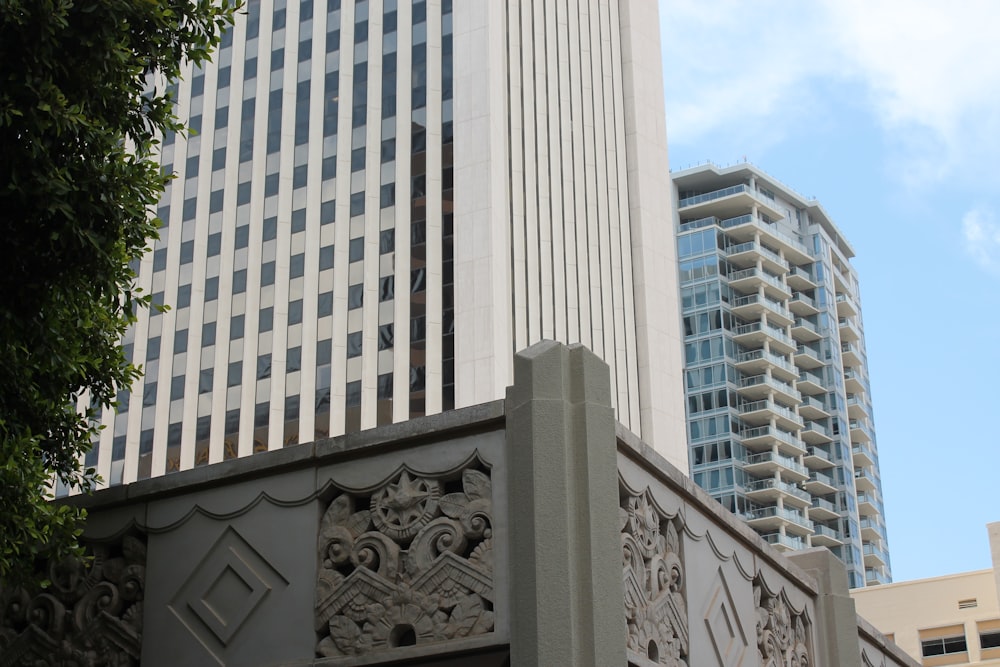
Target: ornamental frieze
[(89, 616), (782, 632), (408, 563), (653, 581)]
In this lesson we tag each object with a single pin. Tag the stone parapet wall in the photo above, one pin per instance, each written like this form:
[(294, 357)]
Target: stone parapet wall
[(531, 531)]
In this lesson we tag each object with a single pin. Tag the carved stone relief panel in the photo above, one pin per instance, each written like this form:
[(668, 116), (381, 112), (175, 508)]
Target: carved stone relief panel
[(783, 634), (406, 562), (653, 580), (90, 616)]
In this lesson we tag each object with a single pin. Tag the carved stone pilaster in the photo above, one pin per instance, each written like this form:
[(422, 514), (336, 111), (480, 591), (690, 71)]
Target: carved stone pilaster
[(653, 579), (782, 632), (408, 562), (90, 616)]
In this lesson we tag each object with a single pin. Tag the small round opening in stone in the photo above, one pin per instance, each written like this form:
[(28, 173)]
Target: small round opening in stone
[(652, 652), (402, 635)]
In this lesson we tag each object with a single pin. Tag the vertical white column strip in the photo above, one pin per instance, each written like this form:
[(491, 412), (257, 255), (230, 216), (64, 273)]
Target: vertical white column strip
[(580, 177), (342, 226), (310, 298), (280, 339), (529, 79), (542, 206), (433, 180), (373, 213), (404, 143), (556, 130)]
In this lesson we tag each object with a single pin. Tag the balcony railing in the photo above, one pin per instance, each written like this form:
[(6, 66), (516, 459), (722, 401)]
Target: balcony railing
[(822, 478), (767, 404), (825, 530), (805, 299), (817, 428), (784, 461), (853, 374), (784, 513), (764, 227), (806, 376), (764, 484), (777, 334), (872, 550), (762, 275), (794, 543), (802, 273), (769, 381), (866, 450), (774, 359), (821, 503), (865, 473), (801, 322), (776, 433), (769, 304), (872, 499), (754, 246), (818, 453), (711, 196), (816, 403), (699, 223), (872, 523)]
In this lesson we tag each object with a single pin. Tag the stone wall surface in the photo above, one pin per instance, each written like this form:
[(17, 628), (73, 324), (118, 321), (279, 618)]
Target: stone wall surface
[(535, 531)]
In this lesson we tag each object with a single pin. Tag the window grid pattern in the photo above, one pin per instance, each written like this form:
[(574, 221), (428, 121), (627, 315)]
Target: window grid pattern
[(287, 269)]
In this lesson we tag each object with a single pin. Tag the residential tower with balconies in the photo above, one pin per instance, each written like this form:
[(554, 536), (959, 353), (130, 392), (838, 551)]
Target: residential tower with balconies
[(779, 414)]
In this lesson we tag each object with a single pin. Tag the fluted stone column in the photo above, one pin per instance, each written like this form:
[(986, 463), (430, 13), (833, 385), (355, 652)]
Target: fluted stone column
[(566, 590)]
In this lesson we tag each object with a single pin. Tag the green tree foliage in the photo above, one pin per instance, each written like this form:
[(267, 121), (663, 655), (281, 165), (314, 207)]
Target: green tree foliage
[(79, 117)]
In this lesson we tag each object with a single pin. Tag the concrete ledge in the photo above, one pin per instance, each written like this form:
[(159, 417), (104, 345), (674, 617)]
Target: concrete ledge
[(454, 423)]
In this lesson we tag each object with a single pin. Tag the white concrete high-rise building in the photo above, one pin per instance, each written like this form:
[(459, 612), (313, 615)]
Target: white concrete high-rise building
[(385, 200)]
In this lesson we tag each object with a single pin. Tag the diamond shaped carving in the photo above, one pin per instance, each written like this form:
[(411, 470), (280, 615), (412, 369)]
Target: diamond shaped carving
[(725, 629), (224, 590)]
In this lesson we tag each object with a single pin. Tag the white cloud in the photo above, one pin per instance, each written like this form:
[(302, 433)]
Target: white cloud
[(730, 67), (981, 234), (926, 70)]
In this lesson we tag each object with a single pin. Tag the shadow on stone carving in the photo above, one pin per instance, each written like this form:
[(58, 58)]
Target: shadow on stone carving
[(783, 634), (91, 615), (407, 562), (653, 579)]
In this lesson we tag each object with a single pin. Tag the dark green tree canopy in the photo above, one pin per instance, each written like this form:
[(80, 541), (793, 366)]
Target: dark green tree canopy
[(79, 117)]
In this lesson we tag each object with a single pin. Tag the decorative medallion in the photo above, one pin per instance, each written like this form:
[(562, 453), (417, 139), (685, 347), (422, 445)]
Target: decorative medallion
[(401, 508)]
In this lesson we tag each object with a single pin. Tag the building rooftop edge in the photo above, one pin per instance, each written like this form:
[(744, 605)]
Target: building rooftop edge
[(811, 204), (914, 582)]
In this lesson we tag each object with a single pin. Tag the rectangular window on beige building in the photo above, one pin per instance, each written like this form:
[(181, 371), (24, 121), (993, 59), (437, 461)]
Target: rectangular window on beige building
[(944, 646), (989, 639)]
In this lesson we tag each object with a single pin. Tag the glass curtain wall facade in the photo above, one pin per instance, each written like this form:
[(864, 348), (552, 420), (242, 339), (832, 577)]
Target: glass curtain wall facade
[(780, 421), (306, 247)]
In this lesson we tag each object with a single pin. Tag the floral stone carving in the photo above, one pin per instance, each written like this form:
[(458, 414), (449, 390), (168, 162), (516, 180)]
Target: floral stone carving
[(782, 633), (411, 563), (653, 579), (91, 615)]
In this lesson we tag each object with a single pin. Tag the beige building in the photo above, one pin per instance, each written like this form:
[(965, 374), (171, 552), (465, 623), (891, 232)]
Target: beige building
[(949, 620)]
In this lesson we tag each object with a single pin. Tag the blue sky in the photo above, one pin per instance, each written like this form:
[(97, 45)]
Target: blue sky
[(888, 112)]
